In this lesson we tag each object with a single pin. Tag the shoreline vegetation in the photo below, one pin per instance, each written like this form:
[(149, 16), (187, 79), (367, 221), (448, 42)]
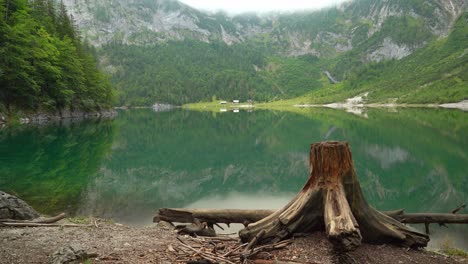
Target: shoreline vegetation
[(47, 71), (350, 103), (46, 117)]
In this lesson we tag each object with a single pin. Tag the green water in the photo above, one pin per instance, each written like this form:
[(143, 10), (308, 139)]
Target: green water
[(126, 168)]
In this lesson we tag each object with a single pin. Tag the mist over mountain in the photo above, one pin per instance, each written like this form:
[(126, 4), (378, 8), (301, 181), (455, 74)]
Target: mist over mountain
[(166, 51)]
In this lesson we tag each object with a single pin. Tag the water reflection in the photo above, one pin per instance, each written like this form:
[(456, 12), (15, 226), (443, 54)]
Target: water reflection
[(237, 200), (125, 170), (50, 166)]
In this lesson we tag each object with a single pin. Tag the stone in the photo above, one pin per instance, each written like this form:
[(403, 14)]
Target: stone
[(69, 254), (11, 207), (25, 120), (165, 225), (65, 113)]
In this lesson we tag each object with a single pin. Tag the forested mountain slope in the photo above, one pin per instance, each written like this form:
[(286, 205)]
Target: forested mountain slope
[(165, 51), (44, 66)]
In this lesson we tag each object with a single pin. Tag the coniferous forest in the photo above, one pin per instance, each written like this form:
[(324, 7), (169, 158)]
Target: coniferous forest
[(44, 64)]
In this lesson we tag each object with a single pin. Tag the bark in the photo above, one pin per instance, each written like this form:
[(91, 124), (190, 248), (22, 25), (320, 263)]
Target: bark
[(332, 199), (210, 216), (224, 216), (431, 218)]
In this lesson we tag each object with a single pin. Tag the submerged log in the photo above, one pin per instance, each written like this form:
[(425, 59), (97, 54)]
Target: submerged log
[(332, 199), (241, 216)]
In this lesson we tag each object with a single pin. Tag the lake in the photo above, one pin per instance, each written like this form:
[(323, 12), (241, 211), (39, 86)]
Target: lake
[(128, 167)]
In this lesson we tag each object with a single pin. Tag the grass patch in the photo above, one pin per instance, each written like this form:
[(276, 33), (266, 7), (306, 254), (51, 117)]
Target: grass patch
[(81, 220), (447, 248), (455, 252)]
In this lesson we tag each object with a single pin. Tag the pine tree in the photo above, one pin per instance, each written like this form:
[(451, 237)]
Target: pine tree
[(64, 23), (43, 64)]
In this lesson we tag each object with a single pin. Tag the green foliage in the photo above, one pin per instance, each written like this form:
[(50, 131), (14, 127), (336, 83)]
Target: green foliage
[(405, 30), (155, 69), (43, 64), (433, 74), (293, 76), (56, 163), (81, 220), (188, 71)]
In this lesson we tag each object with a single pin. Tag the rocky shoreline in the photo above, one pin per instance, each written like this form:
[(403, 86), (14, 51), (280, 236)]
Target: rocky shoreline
[(46, 117), (93, 240)]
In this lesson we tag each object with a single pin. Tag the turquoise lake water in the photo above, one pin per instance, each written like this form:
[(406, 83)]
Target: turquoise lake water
[(128, 167)]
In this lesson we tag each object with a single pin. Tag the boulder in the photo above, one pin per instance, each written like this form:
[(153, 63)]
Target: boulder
[(11, 207), (69, 254)]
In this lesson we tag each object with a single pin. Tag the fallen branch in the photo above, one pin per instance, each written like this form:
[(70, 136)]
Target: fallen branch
[(254, 241), (224, 216), (229, 216), (265, 261), (245, 254), (234, 250), (431, 218), (40, 221), (41, 225), (205, 255), (458, 208)]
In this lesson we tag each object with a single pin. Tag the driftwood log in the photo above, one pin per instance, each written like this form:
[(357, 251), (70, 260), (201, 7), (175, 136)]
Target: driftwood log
[(242, 216), (331, 200), (212, 216)]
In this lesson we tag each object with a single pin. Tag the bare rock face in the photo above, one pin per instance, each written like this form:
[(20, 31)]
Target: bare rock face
[(12, 207), (390, 50)]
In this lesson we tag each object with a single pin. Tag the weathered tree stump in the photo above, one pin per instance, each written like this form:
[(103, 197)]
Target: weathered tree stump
[(332, 199)]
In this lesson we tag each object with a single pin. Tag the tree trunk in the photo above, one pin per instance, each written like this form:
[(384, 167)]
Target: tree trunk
[(332, 199)]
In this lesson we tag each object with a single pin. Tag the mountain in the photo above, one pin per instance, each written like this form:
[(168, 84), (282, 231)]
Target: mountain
[(163, 50)]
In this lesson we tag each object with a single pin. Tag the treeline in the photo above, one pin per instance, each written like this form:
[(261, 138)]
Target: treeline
[(187, 71), (44, 65)]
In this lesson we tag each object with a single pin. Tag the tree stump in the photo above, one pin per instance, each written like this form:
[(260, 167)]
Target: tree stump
[(332, 200)]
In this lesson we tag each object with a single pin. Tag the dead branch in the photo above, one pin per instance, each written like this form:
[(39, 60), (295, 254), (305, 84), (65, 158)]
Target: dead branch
[(239, 216), (40, 221), (41, 225), (458, 208)]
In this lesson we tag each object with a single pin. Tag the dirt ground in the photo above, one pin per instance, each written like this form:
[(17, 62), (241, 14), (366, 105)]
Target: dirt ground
[(115, 243)]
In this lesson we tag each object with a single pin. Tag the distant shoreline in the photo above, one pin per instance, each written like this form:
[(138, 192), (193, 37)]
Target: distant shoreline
[(40, 118), (351, 103)]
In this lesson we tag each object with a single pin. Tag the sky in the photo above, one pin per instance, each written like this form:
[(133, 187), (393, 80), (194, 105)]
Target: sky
[(260, 6)]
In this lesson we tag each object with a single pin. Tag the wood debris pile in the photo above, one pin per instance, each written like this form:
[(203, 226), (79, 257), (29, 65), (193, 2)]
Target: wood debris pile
[(198, 250)]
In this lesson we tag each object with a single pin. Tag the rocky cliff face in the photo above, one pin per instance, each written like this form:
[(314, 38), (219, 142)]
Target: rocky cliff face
[(372, 25)]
